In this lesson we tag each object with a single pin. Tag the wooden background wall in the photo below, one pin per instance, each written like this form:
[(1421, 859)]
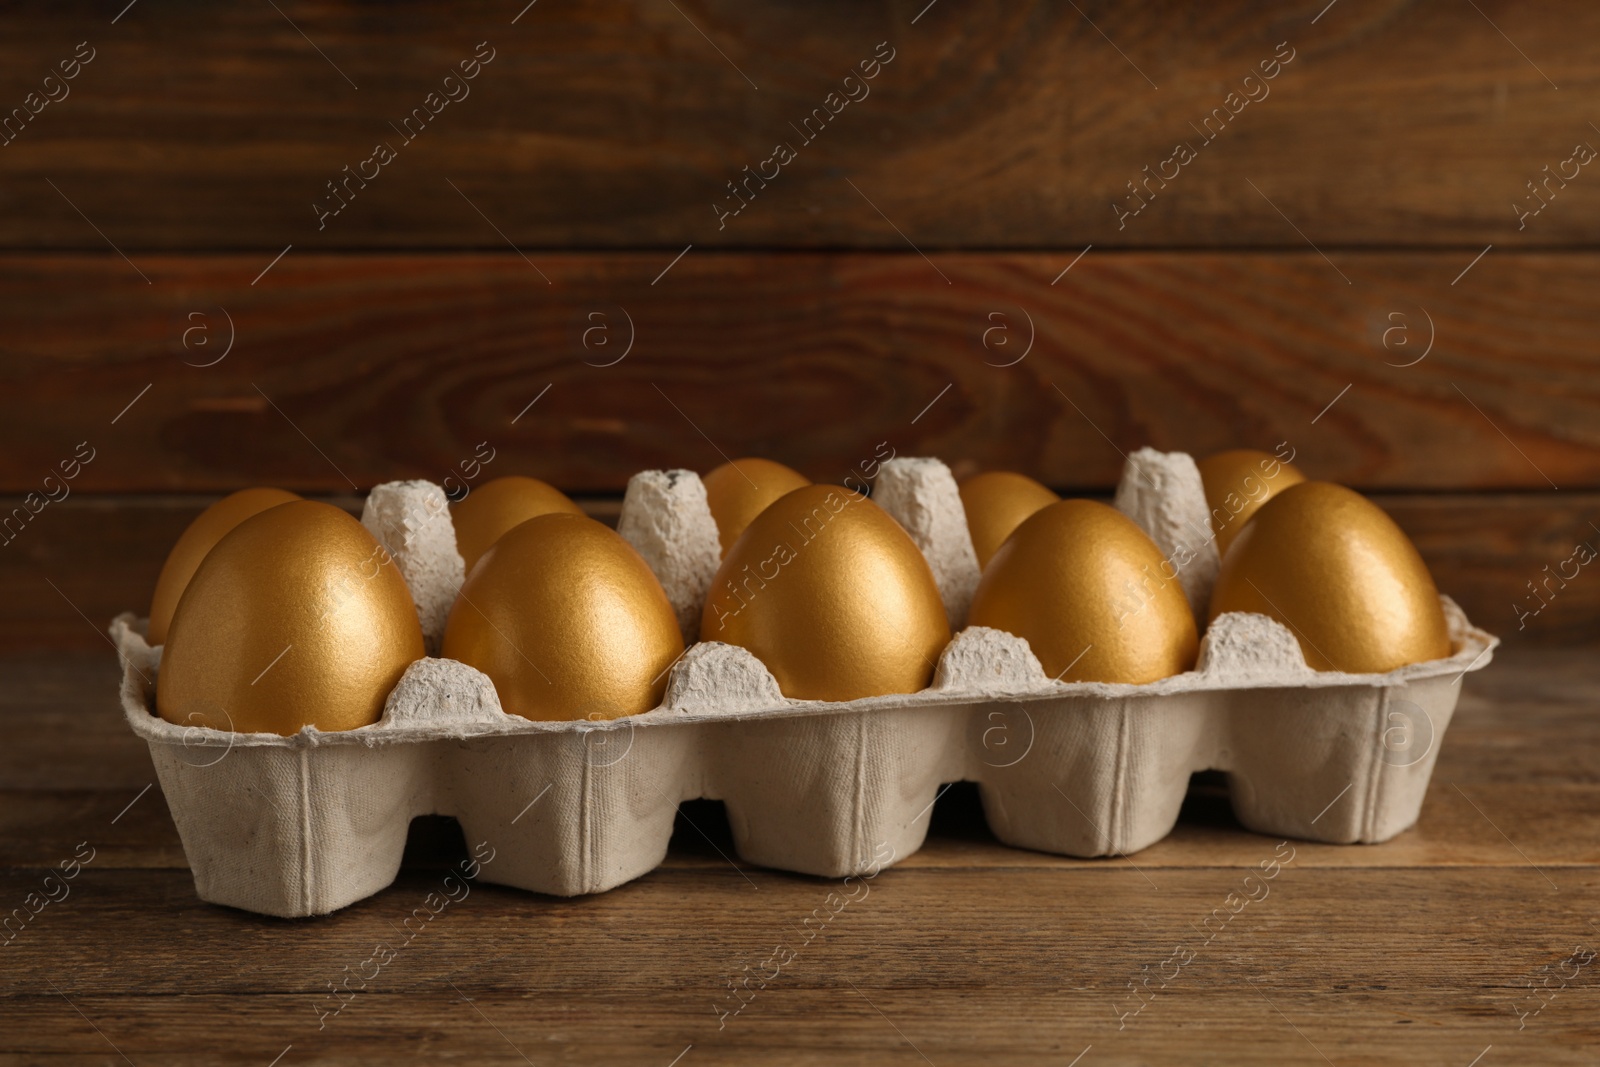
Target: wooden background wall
[(167, 295)]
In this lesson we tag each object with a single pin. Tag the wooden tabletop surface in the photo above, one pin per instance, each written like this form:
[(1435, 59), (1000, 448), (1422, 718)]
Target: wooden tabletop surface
[(1470, 939)]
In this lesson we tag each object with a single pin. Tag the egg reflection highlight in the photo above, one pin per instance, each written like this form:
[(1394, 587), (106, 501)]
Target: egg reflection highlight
[(1237, 483), (1090, 592), (739, 491), (567, 620), (828, 591), (996, 503), (493, 508), (197, 540), (297, 617), (1337, 571)]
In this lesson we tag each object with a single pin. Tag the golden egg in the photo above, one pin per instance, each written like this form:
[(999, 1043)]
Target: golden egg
[(996, 503), (739, 491), (204, 532), (567, 620), (494, 507), (1237, 483), (298, 617), (832, 595), (1334, 568), (1092, 594)]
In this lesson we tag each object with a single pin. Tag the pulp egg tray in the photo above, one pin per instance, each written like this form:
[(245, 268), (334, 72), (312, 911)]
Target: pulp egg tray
[(307, 824)]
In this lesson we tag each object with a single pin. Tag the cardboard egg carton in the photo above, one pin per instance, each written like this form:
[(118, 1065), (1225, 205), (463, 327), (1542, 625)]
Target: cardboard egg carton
[(307, 824)]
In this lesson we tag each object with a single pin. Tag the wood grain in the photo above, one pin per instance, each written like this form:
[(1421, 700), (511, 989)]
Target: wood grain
[(1395, 124), (970, 967), (967, 952), (351, 370), (86, 560), (1281, 288), (1518, 748)]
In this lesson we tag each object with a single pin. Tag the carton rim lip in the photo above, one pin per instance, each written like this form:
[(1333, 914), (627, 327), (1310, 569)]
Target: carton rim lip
[(1473, 647)]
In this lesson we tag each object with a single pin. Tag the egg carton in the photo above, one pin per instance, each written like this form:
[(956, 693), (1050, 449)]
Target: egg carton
[(306, 824)]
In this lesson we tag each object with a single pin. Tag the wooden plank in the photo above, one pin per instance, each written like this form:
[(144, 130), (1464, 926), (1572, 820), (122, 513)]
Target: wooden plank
[(350, 370), (962, 967), (90, 558), (621, 125), (86, 560), (1427, 948), (1517, 760), (1485, 550)]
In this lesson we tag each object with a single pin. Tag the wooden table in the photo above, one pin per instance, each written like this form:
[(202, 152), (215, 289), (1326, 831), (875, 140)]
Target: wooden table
[(1421, 950)]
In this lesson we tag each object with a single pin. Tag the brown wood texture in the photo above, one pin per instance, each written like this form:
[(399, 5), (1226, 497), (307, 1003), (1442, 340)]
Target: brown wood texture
[(966, 952), (90, 558), (218, 126), (542, 267), (346, 371)]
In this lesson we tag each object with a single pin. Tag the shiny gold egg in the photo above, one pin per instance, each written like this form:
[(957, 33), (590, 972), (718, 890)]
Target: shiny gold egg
[(567, 620), (494, 507), (996, 503), (739, 491), (1092, 594), (1237, 483), (1334, 568), (192, 545), (298, 617), (832, 595)]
